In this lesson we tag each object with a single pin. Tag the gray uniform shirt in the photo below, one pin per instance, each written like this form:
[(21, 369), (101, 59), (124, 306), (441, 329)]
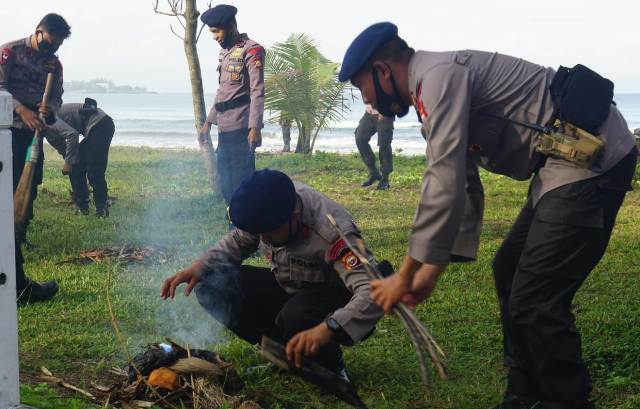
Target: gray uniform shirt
[(316, 257), (453, 90), (23, 73), (65, 133), (240, 73)]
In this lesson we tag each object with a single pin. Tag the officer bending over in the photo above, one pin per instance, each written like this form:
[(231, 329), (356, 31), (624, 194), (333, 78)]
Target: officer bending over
[(88, 159), (519, 119), (314, 296)]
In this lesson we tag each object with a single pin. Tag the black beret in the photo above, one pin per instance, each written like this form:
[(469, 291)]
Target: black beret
[(264, 201), (219, 15), (363, 47)]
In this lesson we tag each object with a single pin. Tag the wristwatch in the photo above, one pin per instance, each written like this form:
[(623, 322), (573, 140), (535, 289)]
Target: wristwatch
[(339, 332)]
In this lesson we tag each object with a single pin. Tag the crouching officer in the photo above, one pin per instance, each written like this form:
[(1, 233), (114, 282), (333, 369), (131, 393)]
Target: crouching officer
[(239, 102), (89, 159), (522, 120), (24, 65), (314, 297), (370, 123)]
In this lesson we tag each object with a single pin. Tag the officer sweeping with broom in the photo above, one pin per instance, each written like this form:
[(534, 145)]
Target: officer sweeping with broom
[(27, 67)]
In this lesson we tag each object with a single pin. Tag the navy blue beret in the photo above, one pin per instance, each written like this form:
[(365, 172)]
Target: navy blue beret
[(219, 15), (363, 47), (264, 201)]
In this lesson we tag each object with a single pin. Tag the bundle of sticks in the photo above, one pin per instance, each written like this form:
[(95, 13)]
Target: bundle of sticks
[(421, 338)]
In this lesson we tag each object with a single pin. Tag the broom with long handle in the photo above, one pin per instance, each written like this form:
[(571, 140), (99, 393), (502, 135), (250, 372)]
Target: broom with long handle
[(22, 195)]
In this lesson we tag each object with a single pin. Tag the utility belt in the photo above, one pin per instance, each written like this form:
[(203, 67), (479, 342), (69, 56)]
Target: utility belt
[(233, 103), (581, 103)]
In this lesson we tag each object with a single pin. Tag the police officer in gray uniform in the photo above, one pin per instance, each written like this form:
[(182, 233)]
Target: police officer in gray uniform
[(89, 158), (370, 123), (480, 109), (314, 296), (24, 65), (239, 102)]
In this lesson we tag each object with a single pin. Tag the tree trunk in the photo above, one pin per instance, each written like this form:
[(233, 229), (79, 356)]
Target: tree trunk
[(197, 93), (304, 140)]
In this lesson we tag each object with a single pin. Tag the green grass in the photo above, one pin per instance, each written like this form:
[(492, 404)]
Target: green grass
[(163, 200)]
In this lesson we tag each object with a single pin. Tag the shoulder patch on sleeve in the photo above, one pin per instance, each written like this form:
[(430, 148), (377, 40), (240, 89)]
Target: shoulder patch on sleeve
[(337, 249), (350, 260), (419, 104), (6, 54), (256, 56)]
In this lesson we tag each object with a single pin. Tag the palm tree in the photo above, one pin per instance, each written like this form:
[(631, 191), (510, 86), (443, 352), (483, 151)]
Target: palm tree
[(301, 85)]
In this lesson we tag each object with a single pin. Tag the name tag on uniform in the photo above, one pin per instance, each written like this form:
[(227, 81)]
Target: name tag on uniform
[(302, 269)]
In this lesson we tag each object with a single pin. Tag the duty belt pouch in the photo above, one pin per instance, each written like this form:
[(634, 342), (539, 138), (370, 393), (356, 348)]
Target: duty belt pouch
[(581, 97)]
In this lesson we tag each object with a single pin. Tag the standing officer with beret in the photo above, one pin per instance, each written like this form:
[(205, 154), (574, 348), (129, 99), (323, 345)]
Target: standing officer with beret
[(24, 65), (518, 119), (370, 123), (239, 102), (314, 297)]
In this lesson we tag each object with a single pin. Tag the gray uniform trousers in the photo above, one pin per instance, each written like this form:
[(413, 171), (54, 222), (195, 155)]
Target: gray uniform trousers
[(367, 127), (547, 255)]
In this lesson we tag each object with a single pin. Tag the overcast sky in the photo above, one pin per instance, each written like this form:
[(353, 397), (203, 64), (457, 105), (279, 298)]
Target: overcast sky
[(123, 40)]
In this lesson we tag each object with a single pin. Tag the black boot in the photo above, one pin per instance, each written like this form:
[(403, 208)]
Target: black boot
[(384, 183), (82, 204), (516, 402), (372, 179), (102, 210), (36, 292)]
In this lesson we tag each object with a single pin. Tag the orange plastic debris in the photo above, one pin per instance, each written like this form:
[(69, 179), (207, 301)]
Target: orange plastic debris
[(164, 378)]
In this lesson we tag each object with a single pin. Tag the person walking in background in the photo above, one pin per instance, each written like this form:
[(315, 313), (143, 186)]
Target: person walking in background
[(89, 159), (239, 102), (370, 123), (285, 124)]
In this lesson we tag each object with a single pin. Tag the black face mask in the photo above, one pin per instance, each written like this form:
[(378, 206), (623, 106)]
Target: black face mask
[(45, 47), (388, 105), (290, 236)]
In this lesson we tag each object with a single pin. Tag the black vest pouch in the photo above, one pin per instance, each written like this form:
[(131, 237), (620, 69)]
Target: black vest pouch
[(581, 97)]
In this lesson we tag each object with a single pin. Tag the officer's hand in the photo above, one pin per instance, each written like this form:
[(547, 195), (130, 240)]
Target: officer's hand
[(308, 343), (45, 109), (424, 282), (254, 138), (388, 291), (66, 168), (204, 136), (190, 275), (30, 119)]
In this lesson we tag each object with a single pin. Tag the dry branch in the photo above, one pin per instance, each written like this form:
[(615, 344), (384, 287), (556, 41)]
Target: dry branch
[(421, 338)]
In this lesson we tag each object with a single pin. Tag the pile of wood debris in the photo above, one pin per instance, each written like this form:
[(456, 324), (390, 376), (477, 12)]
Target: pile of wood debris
[(169, 376), (125, 254)]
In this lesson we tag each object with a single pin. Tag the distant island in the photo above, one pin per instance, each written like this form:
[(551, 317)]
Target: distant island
[(103, 86)]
